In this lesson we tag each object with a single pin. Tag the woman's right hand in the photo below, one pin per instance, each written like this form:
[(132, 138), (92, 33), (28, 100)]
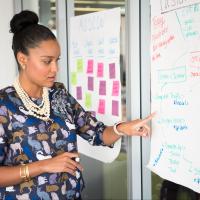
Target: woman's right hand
[(62, 163)]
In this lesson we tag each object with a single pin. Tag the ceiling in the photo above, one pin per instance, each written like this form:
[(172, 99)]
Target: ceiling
[(87, 6)]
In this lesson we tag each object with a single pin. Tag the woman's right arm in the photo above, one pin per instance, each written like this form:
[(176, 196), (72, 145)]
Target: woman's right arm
[(11, 175), (61, 163)]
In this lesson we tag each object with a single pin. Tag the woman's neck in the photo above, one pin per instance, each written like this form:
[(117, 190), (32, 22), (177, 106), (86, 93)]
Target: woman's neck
[(30, 88)]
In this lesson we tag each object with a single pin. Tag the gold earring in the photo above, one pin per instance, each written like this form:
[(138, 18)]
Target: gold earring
[(23, 66)]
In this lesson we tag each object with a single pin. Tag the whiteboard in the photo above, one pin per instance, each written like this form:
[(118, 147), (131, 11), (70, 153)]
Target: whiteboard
[(94, 72), (175, 89)]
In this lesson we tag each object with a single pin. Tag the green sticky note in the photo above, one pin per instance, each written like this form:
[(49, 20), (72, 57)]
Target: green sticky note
[(74, 78), (79, 65), (88, 100)]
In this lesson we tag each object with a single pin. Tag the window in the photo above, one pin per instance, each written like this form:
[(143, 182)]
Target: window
[(46, 10), (111, 178)]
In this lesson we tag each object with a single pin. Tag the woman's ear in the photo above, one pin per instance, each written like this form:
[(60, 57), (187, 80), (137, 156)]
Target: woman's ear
[(22, 60)]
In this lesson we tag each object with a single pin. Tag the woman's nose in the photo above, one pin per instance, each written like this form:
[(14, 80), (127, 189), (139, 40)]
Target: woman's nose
[(54, 67)]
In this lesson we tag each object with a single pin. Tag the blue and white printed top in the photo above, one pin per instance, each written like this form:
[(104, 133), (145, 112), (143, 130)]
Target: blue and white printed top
[(26, 139)]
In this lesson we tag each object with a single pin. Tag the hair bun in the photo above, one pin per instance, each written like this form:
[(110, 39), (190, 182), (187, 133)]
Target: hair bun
[(22, 20)]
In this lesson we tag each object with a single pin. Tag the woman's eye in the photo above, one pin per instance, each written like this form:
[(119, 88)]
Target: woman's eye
[(47, 62), (57, 60)]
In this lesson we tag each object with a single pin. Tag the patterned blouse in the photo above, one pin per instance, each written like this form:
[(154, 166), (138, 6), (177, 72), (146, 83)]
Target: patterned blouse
[(26, 139)]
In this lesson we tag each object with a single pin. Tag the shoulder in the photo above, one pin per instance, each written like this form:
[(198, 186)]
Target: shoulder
[(5, 92), (58, 86), (58, 89), (4, 102)]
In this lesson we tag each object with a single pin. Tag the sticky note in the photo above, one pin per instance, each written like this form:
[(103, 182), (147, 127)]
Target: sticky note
[(100, 69), (102, 87), (101, 106), (90, 65), (112, 70), (115, 108), (73, 78), (88, 100), (90, 83), (79, 65), (115, 88), (79, 92)]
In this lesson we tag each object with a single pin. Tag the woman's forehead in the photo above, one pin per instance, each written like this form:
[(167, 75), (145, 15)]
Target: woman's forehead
[(48, 48)]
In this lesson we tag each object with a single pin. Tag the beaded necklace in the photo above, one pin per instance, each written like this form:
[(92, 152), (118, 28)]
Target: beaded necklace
[(41, 111)]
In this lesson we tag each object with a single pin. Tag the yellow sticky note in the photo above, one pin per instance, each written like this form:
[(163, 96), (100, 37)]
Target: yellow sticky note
[(88, 100), (79, 65), (74, 78)]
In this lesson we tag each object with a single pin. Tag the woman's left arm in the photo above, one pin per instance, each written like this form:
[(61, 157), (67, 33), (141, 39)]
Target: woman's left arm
[(136, 127)]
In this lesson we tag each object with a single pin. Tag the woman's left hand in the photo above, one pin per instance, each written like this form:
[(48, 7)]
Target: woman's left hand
[(136, 127)]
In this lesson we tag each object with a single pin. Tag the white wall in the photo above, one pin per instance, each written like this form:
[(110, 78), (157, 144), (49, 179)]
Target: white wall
[(8, 67)]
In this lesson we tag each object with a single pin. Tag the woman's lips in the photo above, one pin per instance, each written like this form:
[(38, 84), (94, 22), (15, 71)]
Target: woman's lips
[(52, 78)]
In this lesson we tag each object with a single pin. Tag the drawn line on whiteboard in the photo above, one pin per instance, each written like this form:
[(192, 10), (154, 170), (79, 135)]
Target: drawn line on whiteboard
[(180, 25), (194, 52), (172, 75), (158, 157), (189, 162), (164, 12)]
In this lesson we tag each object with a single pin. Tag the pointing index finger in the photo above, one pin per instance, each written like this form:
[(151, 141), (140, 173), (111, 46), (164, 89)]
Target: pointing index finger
[(148, 118)]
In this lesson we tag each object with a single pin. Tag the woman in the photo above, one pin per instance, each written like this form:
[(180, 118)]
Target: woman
[(39, 121)]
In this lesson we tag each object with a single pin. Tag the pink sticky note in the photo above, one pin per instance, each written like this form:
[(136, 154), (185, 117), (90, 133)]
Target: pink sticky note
[(101, 106), (90, 83), (115, 108), (100, 70), (112, 70), (115, 88), (102, 87), (90, 65), (79, 92)]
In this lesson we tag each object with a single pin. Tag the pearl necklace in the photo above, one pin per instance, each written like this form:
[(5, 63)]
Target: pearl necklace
[(41, 111)]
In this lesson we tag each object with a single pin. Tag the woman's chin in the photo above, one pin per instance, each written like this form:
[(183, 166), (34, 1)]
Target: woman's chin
[(49, 84)]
